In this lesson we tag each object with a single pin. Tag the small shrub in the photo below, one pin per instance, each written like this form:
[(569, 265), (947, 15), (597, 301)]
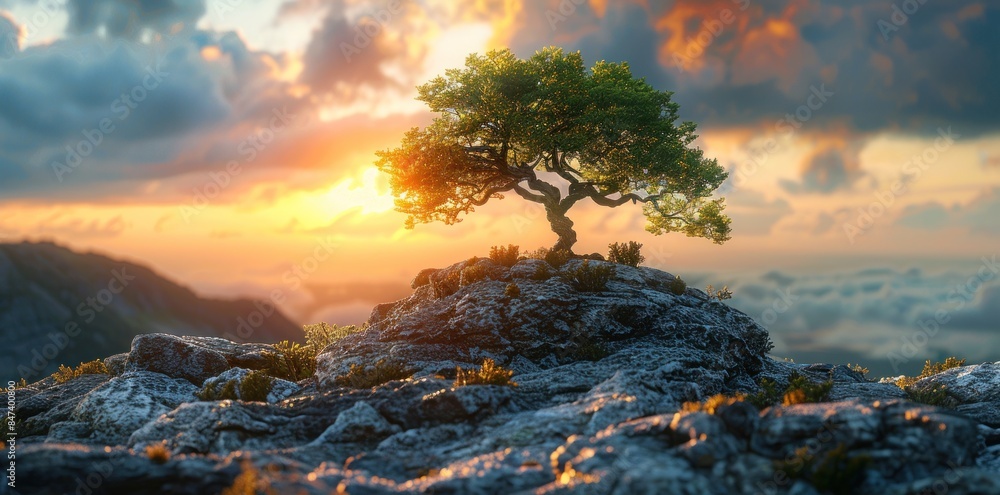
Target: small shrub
[(542, 273), (256, 386), (472, 274), (554, 257), (490, 373), (719, 295), (801, 391), (930, 369), (212, 391), (321, 335), (291, 361), (677, 286), (712, 403), (372, 376), (626, 254), (512, 291), (857, 368), (65, 373), (506, 256), (22, 383), (936, 395), (834, 471), (768, 395), (589, 278), (158, 453)]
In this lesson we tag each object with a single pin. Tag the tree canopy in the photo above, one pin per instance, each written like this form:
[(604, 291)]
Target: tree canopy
[(555, 133)]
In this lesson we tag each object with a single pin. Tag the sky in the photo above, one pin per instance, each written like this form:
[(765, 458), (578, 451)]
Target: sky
[(229, 144)]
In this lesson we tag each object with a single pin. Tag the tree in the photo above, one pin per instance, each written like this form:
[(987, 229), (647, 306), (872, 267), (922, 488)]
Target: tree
[(554, 133)]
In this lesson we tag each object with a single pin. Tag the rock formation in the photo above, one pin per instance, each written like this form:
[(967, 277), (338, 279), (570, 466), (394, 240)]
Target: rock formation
[(602, 372)]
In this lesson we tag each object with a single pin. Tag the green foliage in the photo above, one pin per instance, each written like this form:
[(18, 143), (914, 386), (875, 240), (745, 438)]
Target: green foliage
[(768, 395), (542, 273), (256, 386), (834, 471), (677, 286), (474, 273), (626, 254), (291, 361), (65, 373), (557, 257), (512, 291), (213, 392), (799, 391), (930, 369), (506, 256), (612, 137), (384, 371), (719, 295), (589, 278), (490, 373), (935, 395), (321, 335)]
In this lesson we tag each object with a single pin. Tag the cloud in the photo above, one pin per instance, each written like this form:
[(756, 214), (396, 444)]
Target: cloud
[(131, 18), (869, 313), (826, 170), (978, 217), (10, 43)]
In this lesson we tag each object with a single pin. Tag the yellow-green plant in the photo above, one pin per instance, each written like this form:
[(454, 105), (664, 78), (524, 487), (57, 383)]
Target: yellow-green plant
[(490, 373), (383, 371), (930, 369), (291, 361), (506, 256), (65, 373)]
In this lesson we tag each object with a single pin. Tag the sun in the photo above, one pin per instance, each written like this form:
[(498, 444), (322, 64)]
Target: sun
[(363, 193)]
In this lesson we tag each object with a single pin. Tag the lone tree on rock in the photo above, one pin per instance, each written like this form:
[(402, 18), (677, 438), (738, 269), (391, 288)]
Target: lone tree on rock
[(554, 133)]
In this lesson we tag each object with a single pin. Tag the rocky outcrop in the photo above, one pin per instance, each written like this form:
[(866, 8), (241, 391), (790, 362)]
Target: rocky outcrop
[(602, 377)]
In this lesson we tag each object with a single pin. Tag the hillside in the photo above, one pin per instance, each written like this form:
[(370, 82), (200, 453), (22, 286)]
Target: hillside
[(58, 306), (613, 390)]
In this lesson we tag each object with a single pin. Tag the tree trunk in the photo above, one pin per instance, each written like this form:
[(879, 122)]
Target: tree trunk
[(563, 227)]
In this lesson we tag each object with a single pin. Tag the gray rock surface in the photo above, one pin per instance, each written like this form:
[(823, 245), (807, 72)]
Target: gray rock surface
[(602, 379), (175, 357)]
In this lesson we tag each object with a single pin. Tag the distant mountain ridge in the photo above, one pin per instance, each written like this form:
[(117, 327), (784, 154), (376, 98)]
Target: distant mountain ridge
[(58, 306)]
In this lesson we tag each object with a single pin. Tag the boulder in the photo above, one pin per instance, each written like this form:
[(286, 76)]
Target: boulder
[(126, 403), (176, 357)]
